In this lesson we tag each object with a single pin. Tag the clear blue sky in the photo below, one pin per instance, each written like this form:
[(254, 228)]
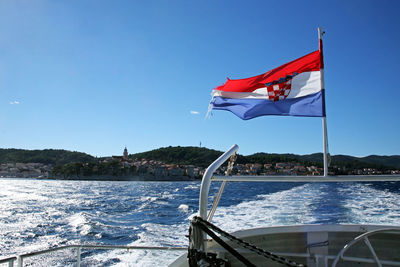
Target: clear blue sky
[(94, 76)]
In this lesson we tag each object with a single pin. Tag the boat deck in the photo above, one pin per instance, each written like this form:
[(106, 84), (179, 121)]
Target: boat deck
[(314, 245)]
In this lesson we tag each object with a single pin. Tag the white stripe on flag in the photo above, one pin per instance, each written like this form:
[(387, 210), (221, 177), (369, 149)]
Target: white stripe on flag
[(303, 84)]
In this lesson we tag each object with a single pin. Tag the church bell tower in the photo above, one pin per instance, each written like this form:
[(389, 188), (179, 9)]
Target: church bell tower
[(125, 155)]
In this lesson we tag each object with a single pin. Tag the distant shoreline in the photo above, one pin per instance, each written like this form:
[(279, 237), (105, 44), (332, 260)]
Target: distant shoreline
[(111, 178)]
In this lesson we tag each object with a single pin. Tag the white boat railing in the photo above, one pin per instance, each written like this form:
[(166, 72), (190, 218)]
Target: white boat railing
[(206, 181), (20, 258), (364, 237)]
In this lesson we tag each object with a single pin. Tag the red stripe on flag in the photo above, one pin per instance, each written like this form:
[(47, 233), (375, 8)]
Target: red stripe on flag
[(310, 62)]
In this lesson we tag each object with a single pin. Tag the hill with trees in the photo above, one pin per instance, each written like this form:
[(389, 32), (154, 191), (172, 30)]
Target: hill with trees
[(46, 156), (198, 156), (203, 157)]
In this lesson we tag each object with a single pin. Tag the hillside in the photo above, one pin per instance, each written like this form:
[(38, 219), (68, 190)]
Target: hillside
[(372, 161), (198, 156), (46, 156), (204, 156)]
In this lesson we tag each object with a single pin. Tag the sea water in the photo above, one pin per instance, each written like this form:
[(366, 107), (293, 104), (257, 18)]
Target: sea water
[(41, 214)]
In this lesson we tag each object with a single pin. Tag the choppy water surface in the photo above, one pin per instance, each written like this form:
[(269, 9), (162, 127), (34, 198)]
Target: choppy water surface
[(39, 214)]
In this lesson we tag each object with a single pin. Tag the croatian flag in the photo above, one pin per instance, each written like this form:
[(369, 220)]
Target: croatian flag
[(293, 89)]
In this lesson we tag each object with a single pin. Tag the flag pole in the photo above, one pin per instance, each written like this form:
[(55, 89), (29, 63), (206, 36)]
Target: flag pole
[(324, 128)]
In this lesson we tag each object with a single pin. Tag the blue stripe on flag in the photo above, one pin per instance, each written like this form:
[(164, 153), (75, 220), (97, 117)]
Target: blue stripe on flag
[(307, 106)]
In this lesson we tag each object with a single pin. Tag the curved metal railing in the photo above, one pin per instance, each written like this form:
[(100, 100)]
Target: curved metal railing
[(364, 237), (20, 258), (206, 181)]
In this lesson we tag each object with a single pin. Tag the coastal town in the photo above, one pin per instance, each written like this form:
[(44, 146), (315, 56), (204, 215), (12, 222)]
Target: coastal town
[(125, 168)]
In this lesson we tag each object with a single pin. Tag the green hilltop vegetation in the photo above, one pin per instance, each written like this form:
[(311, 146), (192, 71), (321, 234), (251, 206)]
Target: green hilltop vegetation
[(46, 156), (197, 156), (350, 162)]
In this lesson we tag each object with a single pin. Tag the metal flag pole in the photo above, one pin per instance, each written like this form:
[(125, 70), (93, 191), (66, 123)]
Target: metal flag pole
[(324, 128)]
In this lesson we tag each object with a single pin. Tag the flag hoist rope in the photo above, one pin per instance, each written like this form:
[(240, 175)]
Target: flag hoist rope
[(324, 127)]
